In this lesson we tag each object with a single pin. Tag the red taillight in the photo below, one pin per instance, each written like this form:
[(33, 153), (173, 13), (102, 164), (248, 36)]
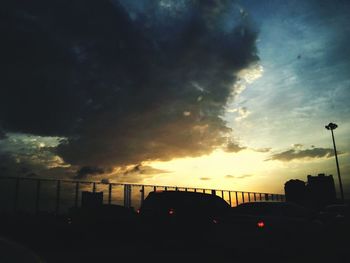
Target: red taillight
[(260, 224), (171, 211)]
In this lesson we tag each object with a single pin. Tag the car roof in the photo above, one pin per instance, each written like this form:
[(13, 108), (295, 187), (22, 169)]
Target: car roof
[(183, 198), (272, 205), (180, 193), (184, 195)]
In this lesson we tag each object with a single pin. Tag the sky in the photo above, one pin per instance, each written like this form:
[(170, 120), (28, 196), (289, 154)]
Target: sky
[(218, 94)]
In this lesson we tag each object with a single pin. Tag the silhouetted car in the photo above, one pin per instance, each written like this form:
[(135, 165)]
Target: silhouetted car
[(187, 211), (270, 222), (335, 214), (275, 215), (280, 209), (336, 225)]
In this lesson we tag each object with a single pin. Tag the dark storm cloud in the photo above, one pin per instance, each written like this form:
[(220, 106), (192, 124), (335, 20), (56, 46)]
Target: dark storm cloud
[(86, 171), (123, 83), (295, 154), (11, 165), (135, 173)]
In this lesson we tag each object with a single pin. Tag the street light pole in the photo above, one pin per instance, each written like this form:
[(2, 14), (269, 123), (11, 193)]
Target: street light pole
[(331, 127)]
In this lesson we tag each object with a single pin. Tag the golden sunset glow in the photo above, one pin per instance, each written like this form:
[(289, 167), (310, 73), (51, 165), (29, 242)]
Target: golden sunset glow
[(245, 170)]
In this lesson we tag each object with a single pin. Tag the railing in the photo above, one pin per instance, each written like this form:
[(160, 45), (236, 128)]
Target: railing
[(51, 195)]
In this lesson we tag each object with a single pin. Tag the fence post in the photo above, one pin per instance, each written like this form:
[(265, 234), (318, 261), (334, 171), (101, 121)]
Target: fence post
[(229, 196), (127, 195), (58, 192), (16, 195), (242, 197), (76, 194), (94, 187), (37, 198), (110, 194), (130, 190), (222, 194), (237, 203), (142, 194), (248, 196), (254, 197)]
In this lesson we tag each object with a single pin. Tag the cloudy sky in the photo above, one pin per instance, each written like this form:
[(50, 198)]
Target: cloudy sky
[(217, 94)]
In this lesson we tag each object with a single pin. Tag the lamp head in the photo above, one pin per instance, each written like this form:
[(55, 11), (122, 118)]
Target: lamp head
[(331, 126)]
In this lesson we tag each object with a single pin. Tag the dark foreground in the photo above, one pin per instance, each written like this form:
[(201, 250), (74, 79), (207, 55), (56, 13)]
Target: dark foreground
[(48, 238)]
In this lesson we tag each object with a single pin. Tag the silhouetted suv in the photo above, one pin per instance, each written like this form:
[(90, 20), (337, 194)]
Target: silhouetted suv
[(272, 222), (177, 210), (336, 215)]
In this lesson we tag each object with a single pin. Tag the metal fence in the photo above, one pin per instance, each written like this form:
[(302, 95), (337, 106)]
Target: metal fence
[(57, 196)]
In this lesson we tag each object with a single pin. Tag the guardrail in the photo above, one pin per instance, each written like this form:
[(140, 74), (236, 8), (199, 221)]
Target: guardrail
[(57, 196)]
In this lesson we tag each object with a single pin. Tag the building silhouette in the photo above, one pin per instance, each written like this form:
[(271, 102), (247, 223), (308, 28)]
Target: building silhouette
[(317, 192), (295, 191), (321, 190)]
